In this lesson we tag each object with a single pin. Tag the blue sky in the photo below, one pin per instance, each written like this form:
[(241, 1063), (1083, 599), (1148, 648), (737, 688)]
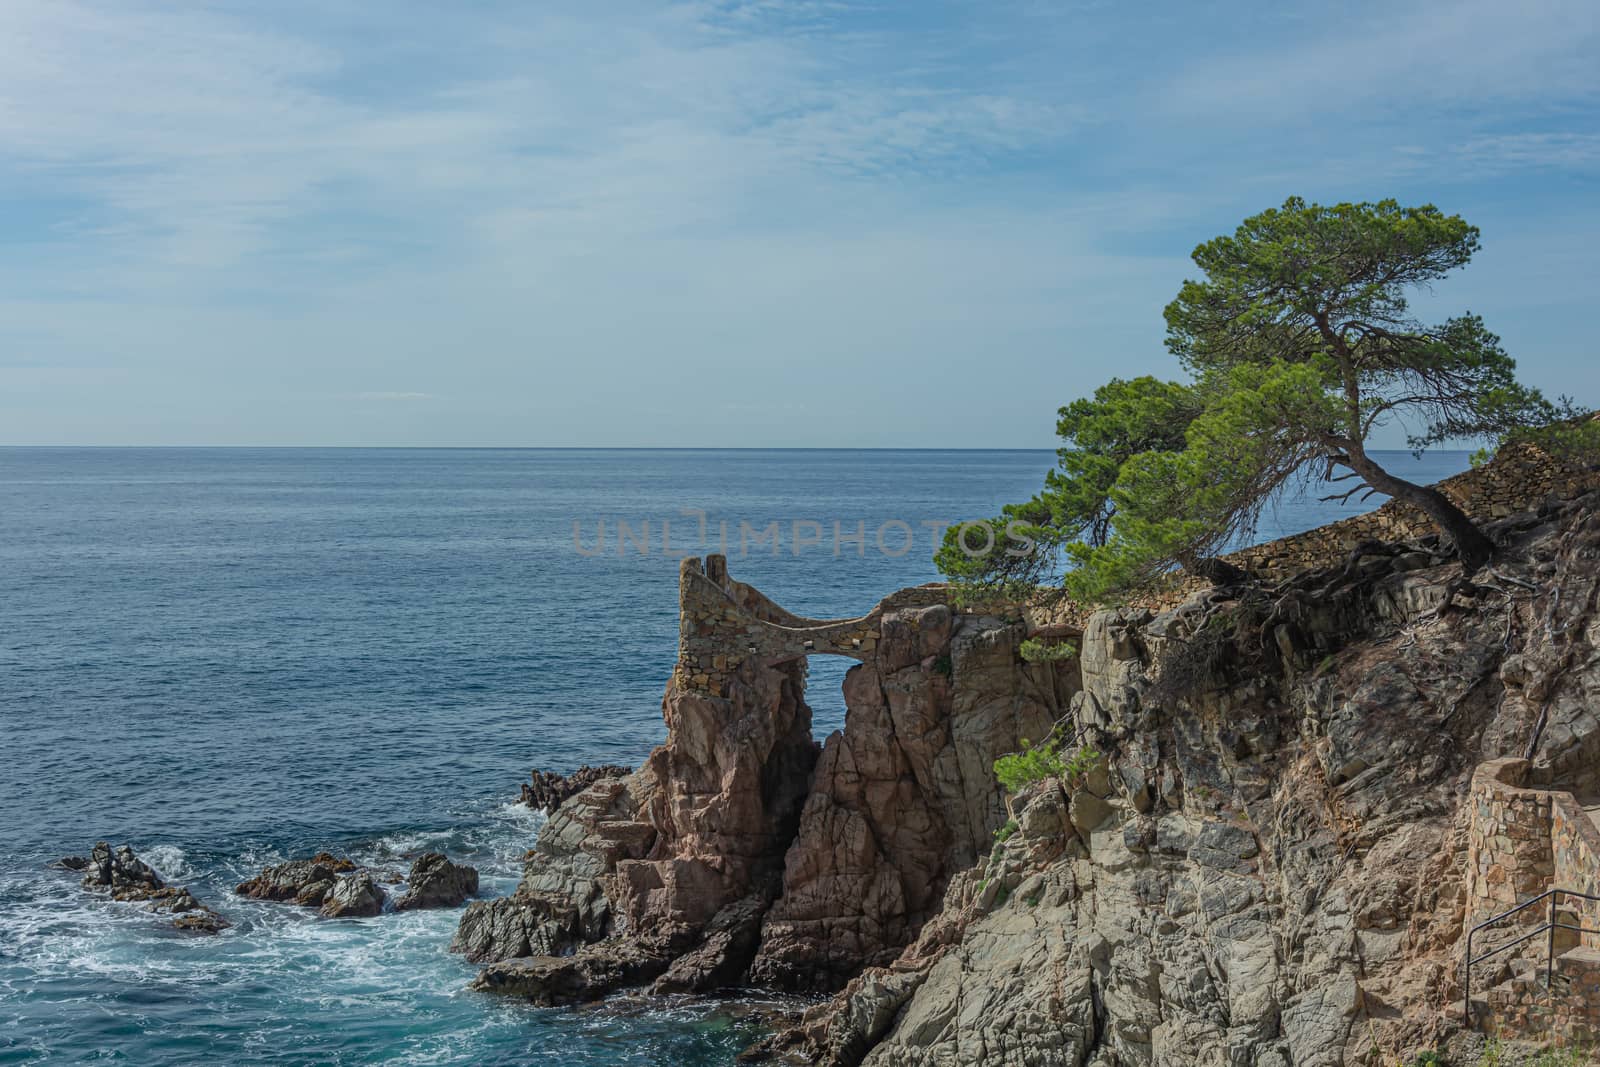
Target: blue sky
[(759, 223)]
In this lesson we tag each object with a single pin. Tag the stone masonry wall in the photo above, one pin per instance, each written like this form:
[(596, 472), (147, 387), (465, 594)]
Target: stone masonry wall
[(1575, 844), (1522, 842), (1509, 857), (722, 623)]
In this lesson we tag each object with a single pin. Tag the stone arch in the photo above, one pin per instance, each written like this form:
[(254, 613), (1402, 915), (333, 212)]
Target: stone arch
[(723, 623)]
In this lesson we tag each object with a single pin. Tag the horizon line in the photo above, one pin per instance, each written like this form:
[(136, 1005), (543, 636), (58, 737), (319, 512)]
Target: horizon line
[(567, 448)]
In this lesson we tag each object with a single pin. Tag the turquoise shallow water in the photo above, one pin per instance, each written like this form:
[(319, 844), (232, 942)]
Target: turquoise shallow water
[(230, 657)]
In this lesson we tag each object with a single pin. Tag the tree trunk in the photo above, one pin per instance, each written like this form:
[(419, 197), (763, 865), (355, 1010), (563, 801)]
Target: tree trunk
[(1472, 546)]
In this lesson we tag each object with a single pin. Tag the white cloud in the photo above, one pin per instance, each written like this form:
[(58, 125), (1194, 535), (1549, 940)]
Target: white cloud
[(1567, 151)]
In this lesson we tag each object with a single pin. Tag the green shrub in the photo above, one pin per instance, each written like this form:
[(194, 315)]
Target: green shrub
[(1034, 763), (1034, 650)]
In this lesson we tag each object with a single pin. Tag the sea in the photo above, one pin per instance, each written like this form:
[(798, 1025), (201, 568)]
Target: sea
[(230, 657)]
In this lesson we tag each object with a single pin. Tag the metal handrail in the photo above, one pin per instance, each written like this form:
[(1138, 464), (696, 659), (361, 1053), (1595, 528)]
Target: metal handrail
[(1550, 927)]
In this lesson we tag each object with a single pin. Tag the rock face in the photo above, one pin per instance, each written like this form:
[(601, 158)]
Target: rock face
[(548, 790), (353, 895), (1271, 868), (703, 824), (559, 904), (435, 882), (303, 882), (130, 879)]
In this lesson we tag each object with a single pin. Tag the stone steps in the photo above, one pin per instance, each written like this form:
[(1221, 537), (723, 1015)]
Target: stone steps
[(1524, 1004)]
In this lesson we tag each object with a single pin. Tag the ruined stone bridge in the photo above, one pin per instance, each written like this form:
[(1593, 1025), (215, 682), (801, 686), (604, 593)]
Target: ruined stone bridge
[(722, 623)]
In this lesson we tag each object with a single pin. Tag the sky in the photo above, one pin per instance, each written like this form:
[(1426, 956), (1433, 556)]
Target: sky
[(740, 223)]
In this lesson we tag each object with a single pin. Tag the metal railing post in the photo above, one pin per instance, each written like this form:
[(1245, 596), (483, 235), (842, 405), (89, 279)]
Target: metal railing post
[(1550, 963)]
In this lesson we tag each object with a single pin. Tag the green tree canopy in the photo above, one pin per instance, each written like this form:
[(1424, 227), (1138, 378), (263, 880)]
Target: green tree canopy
[(1123, 419), (1301, 343)]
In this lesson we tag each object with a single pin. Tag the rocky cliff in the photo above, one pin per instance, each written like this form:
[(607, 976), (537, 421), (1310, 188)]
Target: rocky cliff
[(744, 851), (1268, 864)]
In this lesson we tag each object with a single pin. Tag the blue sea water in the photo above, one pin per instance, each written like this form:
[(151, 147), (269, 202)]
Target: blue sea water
[(229, 657)]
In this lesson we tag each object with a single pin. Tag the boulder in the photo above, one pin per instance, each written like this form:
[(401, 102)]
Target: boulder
[(126, 875), (201, 921), (353, 896), (560, 903), (303, 882), (435, 882), (722, 959), (586, 976)]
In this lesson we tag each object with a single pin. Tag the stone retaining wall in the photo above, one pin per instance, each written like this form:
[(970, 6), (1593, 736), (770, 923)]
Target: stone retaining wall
[(1521, 842), (1509, 854), (1575, 844)]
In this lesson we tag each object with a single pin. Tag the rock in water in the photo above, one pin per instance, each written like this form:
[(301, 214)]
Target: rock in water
[(577, 979), (303, 882), (721, 960), (204, 921), (435, 882), (353, 896), (126, 875), (548, 790), (131, 879)]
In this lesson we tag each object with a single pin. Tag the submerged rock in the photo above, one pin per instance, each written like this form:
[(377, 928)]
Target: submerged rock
[(343, 890), (354, 895), (548, 790), (435, 882), (204, 921)]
